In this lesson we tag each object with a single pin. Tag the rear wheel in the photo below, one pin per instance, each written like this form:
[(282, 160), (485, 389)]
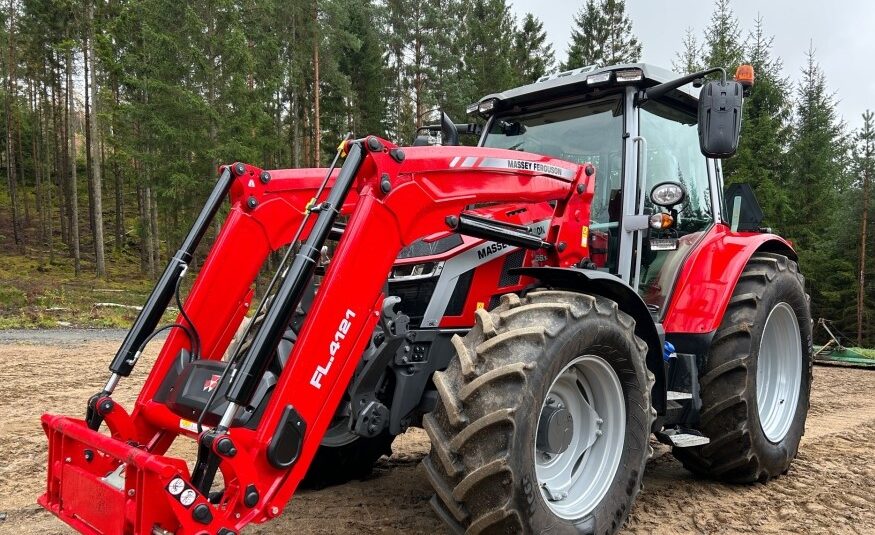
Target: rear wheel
[(757, 380), (544, 419)]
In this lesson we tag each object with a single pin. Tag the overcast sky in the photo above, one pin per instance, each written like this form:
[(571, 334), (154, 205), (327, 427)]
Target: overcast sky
[(842, 32)]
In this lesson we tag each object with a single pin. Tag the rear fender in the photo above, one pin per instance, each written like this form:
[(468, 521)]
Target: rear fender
[(609, 286), (708, 278)]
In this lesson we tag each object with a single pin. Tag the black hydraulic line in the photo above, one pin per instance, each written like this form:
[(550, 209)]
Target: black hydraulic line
[(290, 292), (489, 229), (193, 335), (148, 319), (277, 275)]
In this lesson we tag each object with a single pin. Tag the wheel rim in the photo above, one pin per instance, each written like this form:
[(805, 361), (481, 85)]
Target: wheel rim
[(575, 480), (779, 372), (338, 433)]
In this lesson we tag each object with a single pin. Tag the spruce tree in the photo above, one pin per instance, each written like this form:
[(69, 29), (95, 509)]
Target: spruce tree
[(620, 45), (817, 176), (602, 35), (760, 160), (723, 46), (689, 59), (864, 169), (532, 54), (587, 37)]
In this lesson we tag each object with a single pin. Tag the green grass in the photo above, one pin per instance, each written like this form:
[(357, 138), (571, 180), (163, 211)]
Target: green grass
[(37, 294), (867, 353)]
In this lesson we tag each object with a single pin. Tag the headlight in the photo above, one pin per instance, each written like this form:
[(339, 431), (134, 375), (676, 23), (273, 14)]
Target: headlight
[(668, 194), (416, 271)]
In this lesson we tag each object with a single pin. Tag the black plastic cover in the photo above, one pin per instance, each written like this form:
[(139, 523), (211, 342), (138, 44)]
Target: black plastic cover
[(720, 118), (288, 439)]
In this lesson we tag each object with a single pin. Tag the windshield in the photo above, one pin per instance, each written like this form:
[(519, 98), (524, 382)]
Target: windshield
[(587, 132)]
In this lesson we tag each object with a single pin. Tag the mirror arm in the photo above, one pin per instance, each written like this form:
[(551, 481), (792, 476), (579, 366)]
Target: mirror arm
[(663, 88)]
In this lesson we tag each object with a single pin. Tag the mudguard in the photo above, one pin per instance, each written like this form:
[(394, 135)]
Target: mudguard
[(709, 275), (609, 286)]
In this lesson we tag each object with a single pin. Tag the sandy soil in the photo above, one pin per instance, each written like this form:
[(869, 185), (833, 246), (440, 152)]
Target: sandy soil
[(829, 489)]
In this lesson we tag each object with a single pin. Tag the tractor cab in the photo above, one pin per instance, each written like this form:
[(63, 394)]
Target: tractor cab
[(656, 194)]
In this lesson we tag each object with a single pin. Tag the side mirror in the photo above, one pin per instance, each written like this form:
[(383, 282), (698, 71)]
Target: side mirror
[(720, 118), (449, 132)]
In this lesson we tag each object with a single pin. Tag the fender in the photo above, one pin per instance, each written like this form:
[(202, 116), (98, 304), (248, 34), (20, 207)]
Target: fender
[(709, 275), (609, 286)]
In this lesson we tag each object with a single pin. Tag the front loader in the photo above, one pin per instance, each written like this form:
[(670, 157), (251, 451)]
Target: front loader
[(540, 304)]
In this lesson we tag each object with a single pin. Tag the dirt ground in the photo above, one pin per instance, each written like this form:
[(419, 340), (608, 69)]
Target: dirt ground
[(829, 489)]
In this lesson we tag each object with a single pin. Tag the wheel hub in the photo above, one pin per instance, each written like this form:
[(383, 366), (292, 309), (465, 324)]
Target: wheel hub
[(580, 435), (555, 429)]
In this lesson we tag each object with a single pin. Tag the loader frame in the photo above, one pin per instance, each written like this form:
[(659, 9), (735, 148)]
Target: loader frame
[(392, 198)]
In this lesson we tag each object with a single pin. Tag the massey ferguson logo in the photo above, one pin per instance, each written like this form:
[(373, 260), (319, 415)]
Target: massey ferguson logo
[(490, 250), (333, 347), (211, 383)]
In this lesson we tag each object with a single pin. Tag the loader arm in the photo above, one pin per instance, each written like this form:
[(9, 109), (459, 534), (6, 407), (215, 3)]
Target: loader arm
[(392, 198)]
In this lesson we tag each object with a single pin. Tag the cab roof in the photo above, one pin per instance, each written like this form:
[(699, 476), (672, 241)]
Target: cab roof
[(574, 82)]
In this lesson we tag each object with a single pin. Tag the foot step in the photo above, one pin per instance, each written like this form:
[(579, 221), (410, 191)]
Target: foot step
[(673, 395), (682, 438)]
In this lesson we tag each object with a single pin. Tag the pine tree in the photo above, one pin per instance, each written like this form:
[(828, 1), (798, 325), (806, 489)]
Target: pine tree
[(689, 59), (533, 55)]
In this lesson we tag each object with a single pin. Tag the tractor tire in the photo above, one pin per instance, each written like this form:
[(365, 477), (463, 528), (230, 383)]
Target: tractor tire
[(754, 415), (334, 465), (510, 419), (336, 461)]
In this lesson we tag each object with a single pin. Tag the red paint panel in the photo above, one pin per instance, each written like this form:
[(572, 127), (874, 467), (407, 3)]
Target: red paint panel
[(709, 276)]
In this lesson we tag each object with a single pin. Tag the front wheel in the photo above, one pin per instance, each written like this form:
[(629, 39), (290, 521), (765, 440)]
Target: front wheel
[(544, 419), (757, 380)]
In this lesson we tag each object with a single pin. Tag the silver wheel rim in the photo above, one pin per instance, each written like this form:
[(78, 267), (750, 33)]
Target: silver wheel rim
[(779, 372), (576, 480)]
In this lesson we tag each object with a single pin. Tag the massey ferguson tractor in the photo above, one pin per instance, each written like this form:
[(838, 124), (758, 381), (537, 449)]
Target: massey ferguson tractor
[(540, 304)]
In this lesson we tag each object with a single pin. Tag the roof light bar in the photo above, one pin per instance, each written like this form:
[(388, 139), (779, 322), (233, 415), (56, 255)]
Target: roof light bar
[(486, 106), (598, 78), (628, 75)]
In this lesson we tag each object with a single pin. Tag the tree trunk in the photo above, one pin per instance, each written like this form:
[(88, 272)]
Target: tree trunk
[(119, 182), (11, 179), (317, 130), (87, 96), (153, 221), (96, 179), (36, 157), (59, 116), (72, 193), (861, 292)]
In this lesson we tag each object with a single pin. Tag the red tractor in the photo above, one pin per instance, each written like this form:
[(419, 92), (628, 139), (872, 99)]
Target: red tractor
[(540, 304)]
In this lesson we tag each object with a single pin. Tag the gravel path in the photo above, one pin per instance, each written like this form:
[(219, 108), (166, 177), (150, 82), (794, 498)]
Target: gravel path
[(829, 489)]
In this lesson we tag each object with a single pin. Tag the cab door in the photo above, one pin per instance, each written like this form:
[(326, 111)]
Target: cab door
[(667, 149)]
